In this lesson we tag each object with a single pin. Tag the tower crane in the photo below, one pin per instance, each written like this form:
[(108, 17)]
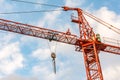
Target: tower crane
[(87, 42)]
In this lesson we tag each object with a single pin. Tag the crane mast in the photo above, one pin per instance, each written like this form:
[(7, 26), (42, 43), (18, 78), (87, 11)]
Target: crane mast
[(87, 42), (89, 46), (86, 31)]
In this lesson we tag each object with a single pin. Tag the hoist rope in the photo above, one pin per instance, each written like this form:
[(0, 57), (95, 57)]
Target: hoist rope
[(48, 42), (49, 46), (53, 56)]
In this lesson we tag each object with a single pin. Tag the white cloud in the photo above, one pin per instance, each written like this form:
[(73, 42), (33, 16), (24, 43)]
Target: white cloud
[(41, 54), (10, 58), (1, 1), (39, 1), (49, 18), (110, 65), (45, 53), (6, 38), (74, 3), (18, 77), (112, 73), (43, 70), (108, 16)]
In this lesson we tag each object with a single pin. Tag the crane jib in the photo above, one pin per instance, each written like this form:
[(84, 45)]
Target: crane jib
[(37, 32)]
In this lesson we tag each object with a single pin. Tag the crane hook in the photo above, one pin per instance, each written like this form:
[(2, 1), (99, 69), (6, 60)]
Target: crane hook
[(53, 56)]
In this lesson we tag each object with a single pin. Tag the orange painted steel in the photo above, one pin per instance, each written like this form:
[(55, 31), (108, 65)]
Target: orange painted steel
[(84, 28), (39, 32), (89, 48), (86, 42), (110, 48), (91, 60), (90, 45)]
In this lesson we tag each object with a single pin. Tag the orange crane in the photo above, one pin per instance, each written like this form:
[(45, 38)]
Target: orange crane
[(87, 42)]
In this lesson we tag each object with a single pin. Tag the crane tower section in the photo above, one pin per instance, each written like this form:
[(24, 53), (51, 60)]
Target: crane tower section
[(89, 46)]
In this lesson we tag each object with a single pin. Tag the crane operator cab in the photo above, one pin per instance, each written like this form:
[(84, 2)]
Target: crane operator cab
[(98, 37)]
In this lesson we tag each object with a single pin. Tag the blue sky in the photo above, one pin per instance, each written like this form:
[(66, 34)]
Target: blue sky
[(28, 58)]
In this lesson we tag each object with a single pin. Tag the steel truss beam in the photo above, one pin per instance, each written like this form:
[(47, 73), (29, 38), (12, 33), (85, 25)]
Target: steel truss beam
[(91, 60)]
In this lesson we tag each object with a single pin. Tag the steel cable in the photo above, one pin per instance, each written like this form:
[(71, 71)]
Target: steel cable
[(36, 3), (23, 12)]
